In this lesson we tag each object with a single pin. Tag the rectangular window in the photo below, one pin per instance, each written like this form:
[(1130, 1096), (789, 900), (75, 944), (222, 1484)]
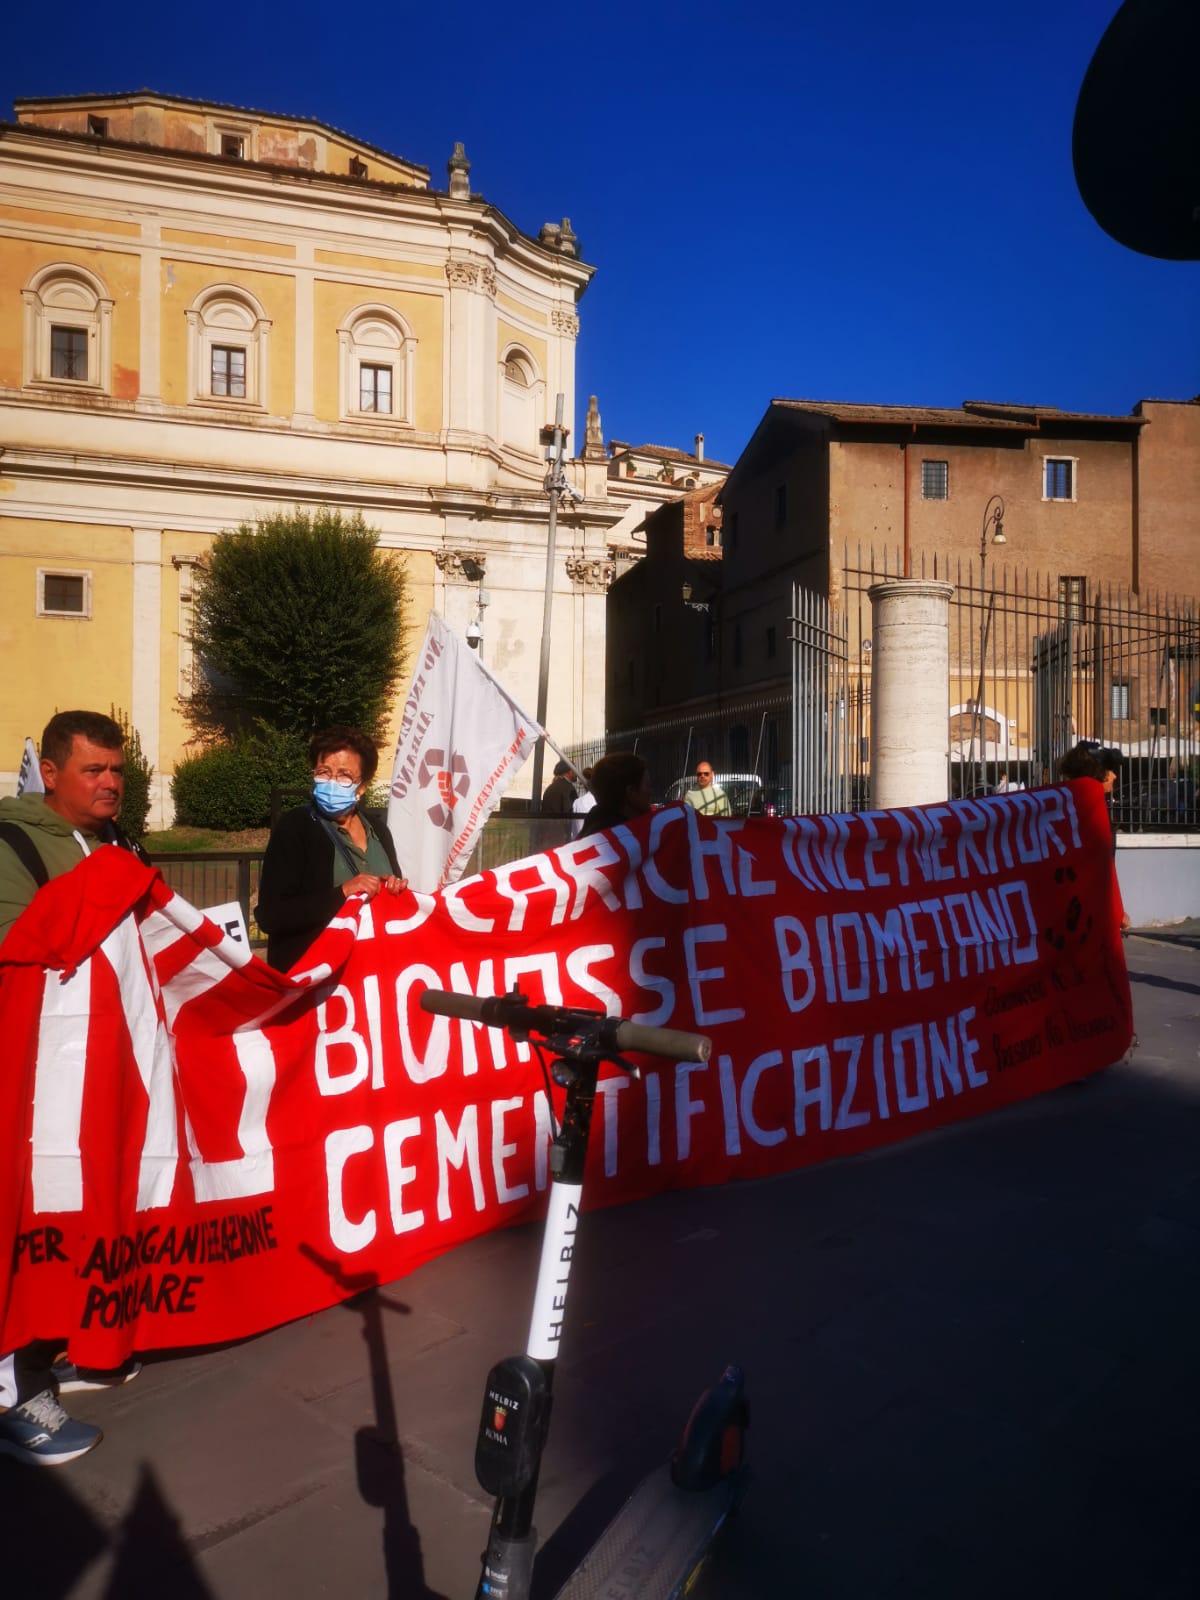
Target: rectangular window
[(1072, 599), (712, 537), (1118, 703), (1059, 483), (781, 505), (232, 144), (98, 126), (770, 644), (64, 594), (229, 371), (69, 353), (375, 389), (935, 480), (358, 169)]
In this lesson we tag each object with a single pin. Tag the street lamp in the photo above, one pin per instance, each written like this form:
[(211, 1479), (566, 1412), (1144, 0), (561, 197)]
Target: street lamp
[(556, 486), (993, 517)]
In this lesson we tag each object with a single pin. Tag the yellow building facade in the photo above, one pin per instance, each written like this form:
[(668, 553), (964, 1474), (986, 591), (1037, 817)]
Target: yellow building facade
[(209, 314)]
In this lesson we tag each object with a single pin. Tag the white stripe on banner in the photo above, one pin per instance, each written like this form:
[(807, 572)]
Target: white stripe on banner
[(253, 1172), (155, 1062), (58, 1091)]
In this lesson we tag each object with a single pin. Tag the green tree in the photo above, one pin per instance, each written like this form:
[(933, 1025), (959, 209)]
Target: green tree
[(135, 804), (299, 624)]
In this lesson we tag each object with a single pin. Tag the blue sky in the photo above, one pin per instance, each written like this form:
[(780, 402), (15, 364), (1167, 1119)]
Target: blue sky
[(861, 202)]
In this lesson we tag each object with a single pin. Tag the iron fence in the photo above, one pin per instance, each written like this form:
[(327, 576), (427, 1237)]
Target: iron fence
[(747, 738), (208, 878), (1037, 662)]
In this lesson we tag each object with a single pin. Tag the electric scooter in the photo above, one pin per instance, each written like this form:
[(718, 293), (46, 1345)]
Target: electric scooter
[(658, 1542)]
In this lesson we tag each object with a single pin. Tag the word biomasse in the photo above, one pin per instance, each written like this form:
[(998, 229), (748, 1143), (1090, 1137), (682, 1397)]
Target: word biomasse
[(283, 1141)]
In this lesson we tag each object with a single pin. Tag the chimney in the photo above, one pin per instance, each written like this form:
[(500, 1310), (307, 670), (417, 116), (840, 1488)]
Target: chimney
[(699, 447)]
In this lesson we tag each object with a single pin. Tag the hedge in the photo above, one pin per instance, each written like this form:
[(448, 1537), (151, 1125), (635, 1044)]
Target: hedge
[(228, 787)]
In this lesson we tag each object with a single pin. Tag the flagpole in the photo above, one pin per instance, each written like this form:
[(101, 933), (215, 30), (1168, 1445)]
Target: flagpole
[(555, 485)]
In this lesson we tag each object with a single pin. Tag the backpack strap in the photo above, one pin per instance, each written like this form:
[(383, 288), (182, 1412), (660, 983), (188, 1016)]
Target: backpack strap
[(26, 852)]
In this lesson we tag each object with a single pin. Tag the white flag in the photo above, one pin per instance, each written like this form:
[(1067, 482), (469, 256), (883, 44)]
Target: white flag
[(462, 740), (29, 779)]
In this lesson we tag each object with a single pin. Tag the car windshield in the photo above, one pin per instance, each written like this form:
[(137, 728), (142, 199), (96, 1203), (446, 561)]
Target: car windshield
[(743, 790)]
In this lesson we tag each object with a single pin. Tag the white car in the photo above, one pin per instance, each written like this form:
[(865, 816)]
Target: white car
[(744, 791)]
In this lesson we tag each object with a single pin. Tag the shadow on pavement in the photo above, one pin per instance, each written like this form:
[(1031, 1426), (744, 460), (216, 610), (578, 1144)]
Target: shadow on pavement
[(378, 1459), (151, 1555)]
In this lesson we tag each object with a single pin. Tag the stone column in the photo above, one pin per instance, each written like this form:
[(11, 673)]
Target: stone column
[(910, 692)]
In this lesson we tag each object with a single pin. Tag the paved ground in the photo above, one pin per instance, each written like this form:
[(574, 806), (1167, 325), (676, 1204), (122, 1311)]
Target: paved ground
[(974, 1361)]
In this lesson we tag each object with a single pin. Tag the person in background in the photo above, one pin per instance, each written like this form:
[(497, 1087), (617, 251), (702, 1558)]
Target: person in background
[(324, 851), (1090, 759), (583, 803), (43, 836), (560, 794), (621, 784), (708, 795)]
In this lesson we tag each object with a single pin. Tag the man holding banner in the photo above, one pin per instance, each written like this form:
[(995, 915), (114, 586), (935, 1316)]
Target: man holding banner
[(46, 831)]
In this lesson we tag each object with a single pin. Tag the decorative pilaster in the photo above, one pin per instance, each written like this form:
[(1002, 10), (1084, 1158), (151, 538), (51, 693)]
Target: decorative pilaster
[(590, 572), (461, 566)]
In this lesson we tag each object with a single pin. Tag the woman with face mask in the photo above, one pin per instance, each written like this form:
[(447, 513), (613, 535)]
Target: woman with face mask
[(324, 851)]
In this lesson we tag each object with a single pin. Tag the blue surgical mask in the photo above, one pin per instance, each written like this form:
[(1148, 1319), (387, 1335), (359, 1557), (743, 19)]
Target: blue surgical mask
[(334, 797)]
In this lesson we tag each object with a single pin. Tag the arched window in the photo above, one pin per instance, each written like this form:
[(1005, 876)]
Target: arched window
[(376, 356), (227, 349), (68, 330), (522, 393)]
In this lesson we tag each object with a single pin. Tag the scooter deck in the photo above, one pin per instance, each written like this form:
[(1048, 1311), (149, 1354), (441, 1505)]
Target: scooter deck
[(655, 1545)]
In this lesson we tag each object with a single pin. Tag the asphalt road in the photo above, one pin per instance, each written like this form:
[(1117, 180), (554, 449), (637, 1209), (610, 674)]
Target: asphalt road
[(973, 1361)]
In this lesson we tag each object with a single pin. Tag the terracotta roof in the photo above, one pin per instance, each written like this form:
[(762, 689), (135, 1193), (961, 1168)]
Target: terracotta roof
[(973, 414), (664, 452), (209, 105), (1048, 413)]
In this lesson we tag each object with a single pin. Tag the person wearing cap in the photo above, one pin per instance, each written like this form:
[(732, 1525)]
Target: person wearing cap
[(559, 795)]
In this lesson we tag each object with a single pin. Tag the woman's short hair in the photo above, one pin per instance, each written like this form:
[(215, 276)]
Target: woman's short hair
[(612, 775), (330, 740), (1082, 762)]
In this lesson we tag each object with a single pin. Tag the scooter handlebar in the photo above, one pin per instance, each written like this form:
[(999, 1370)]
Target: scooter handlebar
[(504, 1011), (670, 1042)]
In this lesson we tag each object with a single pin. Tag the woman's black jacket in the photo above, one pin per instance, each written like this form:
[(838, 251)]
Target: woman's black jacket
[(297, 896)]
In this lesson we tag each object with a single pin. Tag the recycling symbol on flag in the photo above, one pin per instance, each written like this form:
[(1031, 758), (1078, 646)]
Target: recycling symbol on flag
[(452, 782)]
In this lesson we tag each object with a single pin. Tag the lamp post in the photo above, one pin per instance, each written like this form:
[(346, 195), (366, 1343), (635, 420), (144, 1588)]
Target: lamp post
[(556, 487), (993, 518), (993, 521)]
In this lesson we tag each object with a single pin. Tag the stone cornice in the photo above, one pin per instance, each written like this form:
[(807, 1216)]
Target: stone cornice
[(123, 475), (96, 162)]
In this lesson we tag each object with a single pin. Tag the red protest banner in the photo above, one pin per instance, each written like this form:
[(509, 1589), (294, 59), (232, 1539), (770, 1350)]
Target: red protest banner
[(200, 1149)]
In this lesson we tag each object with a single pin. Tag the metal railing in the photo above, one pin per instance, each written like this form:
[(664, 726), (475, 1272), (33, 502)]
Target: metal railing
[(747, 736), (1038, 662), (209, 878)]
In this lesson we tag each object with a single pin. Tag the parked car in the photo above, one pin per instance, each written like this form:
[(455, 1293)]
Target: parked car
[(744, 790)]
